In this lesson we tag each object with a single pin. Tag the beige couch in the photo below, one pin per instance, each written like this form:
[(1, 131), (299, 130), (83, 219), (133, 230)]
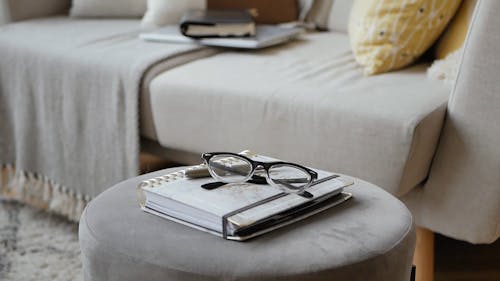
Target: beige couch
[(309, 102)]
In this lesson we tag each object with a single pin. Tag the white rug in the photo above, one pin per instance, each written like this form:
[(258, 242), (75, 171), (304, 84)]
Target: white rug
[(37, 246)]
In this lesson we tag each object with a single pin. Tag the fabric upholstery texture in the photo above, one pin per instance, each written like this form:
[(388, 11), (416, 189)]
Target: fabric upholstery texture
[(4, 12), (461, 198), (161, 12), (146, 123), (388, 35), (16, 10), (330, 15), (338, 19), (454, 35), (370, 237), (108, 8), (318, 13), (304, 8), (69, 104), (307, 101)]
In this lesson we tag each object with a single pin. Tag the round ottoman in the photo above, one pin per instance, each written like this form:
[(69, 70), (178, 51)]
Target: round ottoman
[(370, 237)]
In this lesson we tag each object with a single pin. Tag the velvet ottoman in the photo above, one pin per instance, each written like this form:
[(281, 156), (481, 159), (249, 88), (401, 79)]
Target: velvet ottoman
[(370, 237)]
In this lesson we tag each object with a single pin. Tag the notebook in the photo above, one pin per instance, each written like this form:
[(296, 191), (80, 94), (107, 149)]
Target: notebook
[(266, 36), (236, 211)]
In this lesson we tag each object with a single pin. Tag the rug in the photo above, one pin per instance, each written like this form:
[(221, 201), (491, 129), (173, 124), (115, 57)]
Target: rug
[(35, 245)]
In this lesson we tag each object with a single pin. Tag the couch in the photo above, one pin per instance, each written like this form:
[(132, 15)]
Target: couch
[(308, 101)]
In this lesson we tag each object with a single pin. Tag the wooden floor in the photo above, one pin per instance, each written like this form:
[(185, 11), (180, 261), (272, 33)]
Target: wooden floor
[(461, 261)]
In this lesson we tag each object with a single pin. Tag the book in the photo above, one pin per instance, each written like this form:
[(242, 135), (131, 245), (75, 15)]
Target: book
[(217, 23), (236, 211)]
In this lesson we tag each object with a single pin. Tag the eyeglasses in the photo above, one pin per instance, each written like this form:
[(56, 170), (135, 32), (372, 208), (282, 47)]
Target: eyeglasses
[(235, 168)]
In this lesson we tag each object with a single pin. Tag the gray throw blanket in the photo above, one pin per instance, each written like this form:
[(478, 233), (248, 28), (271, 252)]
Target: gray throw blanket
[(69, 92)]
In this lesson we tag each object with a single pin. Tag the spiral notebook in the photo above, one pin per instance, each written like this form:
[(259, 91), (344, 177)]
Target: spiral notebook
[(236, 211)]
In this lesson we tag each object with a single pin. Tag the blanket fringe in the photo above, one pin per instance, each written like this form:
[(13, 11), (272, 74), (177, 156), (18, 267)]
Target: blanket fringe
[(40, 192)]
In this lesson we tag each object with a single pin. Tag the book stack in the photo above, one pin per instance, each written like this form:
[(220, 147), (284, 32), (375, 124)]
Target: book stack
[(223, 28), (236, 211), (217, 23)]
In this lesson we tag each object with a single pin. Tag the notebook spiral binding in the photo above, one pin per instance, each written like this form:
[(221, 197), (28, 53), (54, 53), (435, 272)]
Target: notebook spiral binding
[(158, 181)]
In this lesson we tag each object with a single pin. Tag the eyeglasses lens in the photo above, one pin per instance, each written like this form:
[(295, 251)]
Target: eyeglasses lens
[(289, 178), (229, 168)]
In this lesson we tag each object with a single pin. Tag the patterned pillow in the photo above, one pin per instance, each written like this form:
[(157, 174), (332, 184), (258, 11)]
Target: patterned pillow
[(388, 35)]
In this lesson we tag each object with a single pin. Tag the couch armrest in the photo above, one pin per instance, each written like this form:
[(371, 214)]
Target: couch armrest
[(462, 195), (16, 10)]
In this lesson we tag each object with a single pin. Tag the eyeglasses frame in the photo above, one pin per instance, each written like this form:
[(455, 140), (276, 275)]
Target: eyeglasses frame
[(256, 164)]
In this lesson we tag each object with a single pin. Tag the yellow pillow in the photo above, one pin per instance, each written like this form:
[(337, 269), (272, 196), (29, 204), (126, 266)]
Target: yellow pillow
[(454, 35), (390, 34)]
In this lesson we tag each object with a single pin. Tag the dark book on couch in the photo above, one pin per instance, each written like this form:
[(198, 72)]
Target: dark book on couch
[(217, 23)]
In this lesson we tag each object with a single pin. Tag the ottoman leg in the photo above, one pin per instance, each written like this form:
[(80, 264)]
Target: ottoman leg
[(424, 255)]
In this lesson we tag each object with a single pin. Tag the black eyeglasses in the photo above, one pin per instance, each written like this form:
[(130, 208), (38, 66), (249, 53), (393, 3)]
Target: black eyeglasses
[(235, 168)]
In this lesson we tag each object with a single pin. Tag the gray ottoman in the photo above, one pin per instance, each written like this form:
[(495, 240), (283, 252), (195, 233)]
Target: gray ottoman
[(370, 237)]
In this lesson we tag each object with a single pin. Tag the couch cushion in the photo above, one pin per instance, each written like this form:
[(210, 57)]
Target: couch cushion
[(307, 101), (338, 19), (161, 12), (108, 8), (330, 15)]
